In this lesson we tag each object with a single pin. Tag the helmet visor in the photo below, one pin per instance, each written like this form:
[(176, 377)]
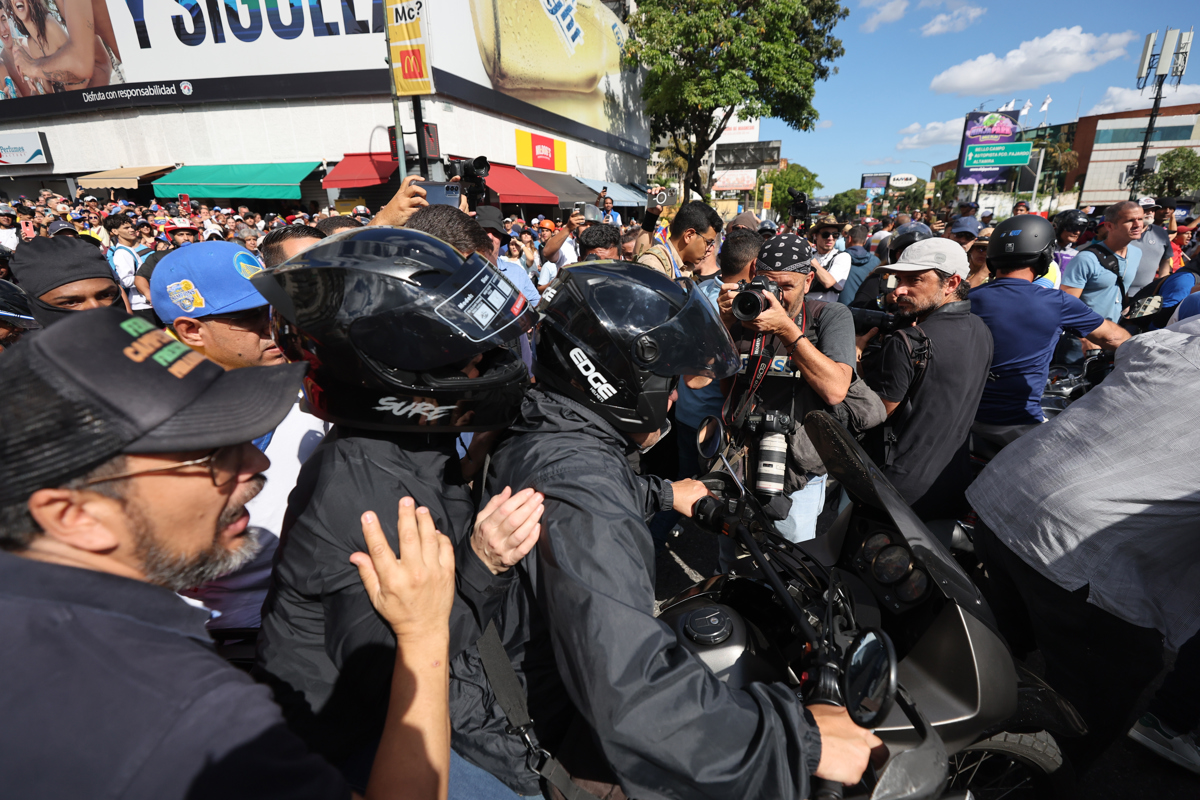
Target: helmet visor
[(691, 342)]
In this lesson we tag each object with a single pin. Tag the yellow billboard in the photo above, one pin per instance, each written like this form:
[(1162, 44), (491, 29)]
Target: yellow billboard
[(408, 47)]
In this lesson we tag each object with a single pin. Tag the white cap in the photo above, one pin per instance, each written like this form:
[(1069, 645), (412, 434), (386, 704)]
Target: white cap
[(988, 212), (1148, 202), (944, 255)]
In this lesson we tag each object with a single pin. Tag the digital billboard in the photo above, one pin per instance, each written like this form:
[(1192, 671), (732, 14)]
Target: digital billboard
[(875, 180), (553, 63)]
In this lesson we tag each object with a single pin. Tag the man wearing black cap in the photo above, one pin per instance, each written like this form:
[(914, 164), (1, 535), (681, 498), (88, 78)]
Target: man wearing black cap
[(62, 275), (108, 508), (802, 376)]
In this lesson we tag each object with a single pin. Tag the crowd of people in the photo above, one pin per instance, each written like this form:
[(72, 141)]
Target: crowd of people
[(408, 455)]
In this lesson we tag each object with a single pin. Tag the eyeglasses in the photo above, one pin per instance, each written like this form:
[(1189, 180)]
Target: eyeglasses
[(252, 319), (708, 243), (224, 465)]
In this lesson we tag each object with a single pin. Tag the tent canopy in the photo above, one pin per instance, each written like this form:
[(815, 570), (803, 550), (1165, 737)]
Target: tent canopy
[(621, 196), (514, 187), (360, 169), (568, 190), (257, 181), (124, 178)]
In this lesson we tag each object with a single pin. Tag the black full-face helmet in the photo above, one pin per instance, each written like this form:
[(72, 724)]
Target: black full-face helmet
[(401, 332), (15, 313), (616, 337), (1025, 240), (1072, 219)]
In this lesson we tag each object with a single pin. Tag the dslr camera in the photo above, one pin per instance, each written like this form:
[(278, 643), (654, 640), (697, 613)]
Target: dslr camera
[(472, 174), (800, 208), (751, 297), (867, 318)]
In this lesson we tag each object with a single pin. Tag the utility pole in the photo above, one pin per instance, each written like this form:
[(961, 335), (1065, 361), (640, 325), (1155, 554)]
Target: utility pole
[(1037, 179), (1169, 63)]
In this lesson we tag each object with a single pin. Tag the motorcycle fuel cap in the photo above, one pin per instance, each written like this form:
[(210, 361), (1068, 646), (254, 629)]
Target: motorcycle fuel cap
[(708, 625)]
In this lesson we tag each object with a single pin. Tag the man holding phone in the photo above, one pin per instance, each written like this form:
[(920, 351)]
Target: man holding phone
[(605, 202), (10, 236)]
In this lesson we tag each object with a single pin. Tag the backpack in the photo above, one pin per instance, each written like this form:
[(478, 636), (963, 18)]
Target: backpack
[(1107, 259), (919, 350), (1146, 310)]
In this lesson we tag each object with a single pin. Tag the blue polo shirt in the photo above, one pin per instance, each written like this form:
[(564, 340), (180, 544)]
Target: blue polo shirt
[(1099, 285), (1025, 321)]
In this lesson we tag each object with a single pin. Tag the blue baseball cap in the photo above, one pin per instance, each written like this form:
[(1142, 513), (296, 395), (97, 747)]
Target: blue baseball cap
[(205, 279), (966, 225)]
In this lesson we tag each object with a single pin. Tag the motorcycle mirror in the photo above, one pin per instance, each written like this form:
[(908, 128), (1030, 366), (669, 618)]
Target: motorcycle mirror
[(869, 678), (710, 437)]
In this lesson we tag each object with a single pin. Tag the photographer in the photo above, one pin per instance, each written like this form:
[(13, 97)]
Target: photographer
[(832, 266), (800, 359), (929, 372)]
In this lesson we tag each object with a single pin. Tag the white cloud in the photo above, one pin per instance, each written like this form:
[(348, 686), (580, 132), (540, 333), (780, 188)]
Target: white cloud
[(917, 136), (959, 19), (1049, 59), (1118, 98), (879, 162), (825, 123), (890, 11)]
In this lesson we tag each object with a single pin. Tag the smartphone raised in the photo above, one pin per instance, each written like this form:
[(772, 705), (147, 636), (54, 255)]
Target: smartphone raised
[(663, 197), (442, 194)]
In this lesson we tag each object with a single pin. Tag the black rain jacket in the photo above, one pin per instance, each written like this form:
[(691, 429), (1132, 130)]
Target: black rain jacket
[(580, 630)]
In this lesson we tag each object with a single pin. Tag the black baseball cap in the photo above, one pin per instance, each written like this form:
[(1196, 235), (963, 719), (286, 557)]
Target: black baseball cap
[(101, 382), (489, 219)]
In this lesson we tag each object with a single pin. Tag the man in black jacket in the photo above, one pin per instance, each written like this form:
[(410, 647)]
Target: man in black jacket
[(612, 693), (930, 374), (399, 387)]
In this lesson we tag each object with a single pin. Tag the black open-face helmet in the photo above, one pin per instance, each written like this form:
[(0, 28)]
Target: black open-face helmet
[(616, 337), (401, 332), (904, 236), (1026, 240)]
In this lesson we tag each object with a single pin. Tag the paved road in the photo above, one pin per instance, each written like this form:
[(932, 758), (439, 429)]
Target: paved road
[(1127, 772)]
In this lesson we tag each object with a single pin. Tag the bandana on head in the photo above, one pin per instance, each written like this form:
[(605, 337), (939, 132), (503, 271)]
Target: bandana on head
[(786, 252)]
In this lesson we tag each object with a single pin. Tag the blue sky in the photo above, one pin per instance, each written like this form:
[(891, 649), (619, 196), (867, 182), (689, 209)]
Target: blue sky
[(913, 68)]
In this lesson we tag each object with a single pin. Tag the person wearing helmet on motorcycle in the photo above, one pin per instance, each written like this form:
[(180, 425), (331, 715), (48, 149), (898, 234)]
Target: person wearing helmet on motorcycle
[(613, 695), (1025, 320), (401, 365)]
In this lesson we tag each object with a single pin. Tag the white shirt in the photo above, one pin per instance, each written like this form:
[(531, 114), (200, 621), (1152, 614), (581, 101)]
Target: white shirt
[(10, 237), (878, 238), (238, 597), (547, 273), (125, 264), (838, 264), (568, 253)]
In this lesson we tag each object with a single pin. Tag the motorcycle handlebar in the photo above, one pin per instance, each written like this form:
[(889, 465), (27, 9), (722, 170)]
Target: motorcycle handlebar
[(826, 790)]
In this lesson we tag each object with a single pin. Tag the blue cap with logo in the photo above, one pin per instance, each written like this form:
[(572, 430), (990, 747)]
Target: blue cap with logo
[(205, 279)]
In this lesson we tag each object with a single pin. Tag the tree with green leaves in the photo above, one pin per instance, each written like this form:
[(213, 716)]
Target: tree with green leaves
[(793, 176), (709, 59), (844, 205), (1178, 174), (912, 198)]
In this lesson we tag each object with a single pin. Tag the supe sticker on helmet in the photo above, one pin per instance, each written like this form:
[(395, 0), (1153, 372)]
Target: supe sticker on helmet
[(484, 306)]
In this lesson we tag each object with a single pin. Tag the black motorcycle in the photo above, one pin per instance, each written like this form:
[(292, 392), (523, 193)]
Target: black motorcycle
[(873, 611)]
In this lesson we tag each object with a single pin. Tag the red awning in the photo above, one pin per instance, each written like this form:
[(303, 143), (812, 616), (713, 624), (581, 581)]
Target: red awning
[(513, 187), (360, 169)]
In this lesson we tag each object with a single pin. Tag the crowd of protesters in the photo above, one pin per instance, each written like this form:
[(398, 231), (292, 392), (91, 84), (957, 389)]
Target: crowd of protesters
[(215, 447)]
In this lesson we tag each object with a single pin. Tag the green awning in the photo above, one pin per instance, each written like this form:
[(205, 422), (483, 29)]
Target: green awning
[(258, 181)]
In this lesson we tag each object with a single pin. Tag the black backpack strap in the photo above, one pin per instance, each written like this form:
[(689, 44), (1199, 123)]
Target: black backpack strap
[(1108, 260), (511, 697), (919, 350)]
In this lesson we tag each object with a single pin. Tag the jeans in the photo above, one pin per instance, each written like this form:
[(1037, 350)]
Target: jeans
[(469, 782), (800, 525)]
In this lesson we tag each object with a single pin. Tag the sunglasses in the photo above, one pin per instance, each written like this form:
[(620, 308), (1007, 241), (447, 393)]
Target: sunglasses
[(827, 234), (252, 319)]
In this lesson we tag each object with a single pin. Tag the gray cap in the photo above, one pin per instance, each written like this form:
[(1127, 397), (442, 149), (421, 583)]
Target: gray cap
[(944, 255)]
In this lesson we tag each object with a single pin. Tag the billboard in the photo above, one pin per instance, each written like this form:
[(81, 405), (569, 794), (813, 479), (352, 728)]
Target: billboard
[(552, 63), (748, 155), (875, 180), (990, 128), (23, 148)]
